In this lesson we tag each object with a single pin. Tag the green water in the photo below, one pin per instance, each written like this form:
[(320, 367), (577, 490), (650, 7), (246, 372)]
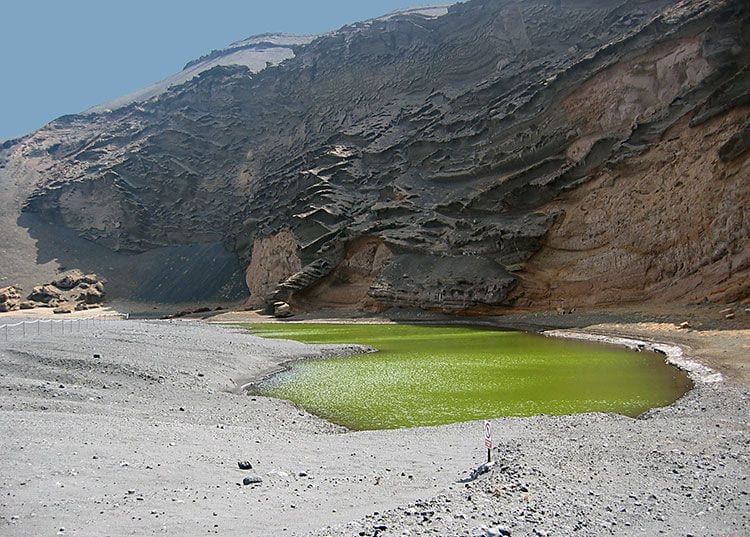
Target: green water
[(428, 375)]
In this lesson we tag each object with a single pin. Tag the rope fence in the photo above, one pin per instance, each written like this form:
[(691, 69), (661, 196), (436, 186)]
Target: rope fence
[(56, 326)]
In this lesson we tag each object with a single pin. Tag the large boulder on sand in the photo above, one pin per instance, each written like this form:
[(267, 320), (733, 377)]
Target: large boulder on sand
[(10, 299), (63, 294), (282, 310), (71, 290), (9, 294), (9, 305), (71, 279), (45, 293), (65, 308), (88, 295), (82, 306)]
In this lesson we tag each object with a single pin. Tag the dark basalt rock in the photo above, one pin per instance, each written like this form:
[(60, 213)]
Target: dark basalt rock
[(444, 139)]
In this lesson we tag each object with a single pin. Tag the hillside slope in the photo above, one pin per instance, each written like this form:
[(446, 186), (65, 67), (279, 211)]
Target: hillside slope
[(489, 155)]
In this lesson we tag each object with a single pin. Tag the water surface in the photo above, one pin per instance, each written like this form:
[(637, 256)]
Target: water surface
[(433, 375)]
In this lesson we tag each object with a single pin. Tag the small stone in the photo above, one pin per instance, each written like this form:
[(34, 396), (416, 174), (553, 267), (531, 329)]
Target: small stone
[(252, 480), (684, 325), (245, 465), (729, 316), (499, 531)]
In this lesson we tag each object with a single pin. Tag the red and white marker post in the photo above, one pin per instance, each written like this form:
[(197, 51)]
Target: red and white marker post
[(488, 439)]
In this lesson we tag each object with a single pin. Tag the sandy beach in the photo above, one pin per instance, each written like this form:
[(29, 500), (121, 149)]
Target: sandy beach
[(136, 427)]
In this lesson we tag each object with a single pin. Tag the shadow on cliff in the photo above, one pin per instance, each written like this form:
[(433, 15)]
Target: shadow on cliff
[(170, 275)]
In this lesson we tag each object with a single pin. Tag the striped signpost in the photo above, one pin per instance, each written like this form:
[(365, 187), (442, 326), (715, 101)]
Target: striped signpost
[(488, 439)]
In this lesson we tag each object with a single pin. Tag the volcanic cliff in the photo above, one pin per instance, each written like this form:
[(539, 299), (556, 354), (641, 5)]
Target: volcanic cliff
[(471, 158)]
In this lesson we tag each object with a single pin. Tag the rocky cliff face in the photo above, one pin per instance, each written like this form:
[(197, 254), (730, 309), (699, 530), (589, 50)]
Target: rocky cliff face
[(489, 155)]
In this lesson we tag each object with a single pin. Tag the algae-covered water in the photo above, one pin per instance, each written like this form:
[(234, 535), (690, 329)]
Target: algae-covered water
[(433, 375)]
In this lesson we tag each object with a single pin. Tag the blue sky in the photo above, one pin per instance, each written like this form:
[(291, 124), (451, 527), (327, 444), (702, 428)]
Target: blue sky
[(64, 56)]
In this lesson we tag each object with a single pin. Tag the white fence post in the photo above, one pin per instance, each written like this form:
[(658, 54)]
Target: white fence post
[(76, 325)]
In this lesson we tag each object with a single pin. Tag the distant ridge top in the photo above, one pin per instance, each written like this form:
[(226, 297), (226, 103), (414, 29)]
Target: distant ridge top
[(266, 40), (430, 11)]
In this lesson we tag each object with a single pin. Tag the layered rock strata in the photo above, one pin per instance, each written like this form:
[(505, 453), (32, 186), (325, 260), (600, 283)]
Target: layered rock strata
[(490, 155)]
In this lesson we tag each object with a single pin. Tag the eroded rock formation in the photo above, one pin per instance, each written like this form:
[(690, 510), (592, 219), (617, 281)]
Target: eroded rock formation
[(72, 291), (490, 155)]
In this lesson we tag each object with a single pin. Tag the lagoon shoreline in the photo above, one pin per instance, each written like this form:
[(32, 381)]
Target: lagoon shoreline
[(158, 414)]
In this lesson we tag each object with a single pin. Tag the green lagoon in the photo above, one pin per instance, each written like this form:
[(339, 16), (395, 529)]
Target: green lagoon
[(433, 375)]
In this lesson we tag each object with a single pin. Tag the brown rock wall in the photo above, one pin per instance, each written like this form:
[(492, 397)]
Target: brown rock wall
[(672, 224), (274, 259)]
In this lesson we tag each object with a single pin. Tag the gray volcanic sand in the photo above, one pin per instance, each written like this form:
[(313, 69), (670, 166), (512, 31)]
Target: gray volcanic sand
[(145, 440)]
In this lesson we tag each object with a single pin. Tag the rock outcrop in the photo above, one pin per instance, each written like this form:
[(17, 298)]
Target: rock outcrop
[(73, 291), (10, 299), (490, 155)]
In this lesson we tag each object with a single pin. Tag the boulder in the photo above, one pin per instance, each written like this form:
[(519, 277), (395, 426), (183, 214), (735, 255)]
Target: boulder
[(65, 308), (252, 480), (282, 310), (9, 305), (75, 278), (82, 306), (27, 305), (69, 280), (89, 295), (45, 293), (9, 294), (89, 279), (72, 289)]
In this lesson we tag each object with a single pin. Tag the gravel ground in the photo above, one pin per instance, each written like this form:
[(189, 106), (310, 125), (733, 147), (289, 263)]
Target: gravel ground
[(136, 428)]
